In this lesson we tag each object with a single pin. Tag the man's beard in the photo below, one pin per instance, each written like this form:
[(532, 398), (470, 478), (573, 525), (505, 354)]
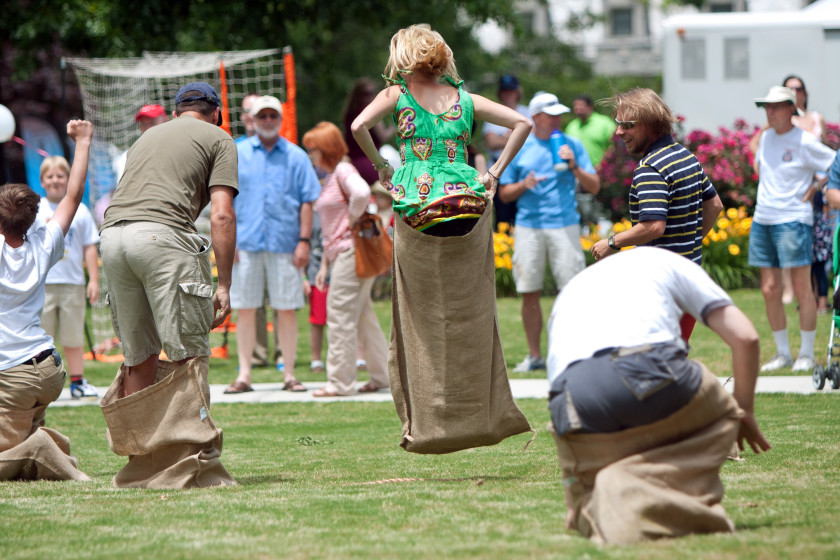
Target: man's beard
[(269, 133)]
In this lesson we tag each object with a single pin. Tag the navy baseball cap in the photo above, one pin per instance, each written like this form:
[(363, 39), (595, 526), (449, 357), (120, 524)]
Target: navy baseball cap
[(207, 92), (508, 82)]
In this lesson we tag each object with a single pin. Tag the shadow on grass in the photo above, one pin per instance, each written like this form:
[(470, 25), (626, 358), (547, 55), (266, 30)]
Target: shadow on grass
[(477, 480), (263, 479)]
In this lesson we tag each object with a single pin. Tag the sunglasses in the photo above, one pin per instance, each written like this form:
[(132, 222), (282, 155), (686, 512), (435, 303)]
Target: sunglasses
[(797, 88), (626, 125)]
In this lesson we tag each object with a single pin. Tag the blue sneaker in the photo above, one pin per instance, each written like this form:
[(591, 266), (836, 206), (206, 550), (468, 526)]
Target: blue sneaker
[(83, 390)]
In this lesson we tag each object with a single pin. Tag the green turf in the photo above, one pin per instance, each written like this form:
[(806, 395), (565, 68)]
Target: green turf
[(322, 481), (329, 481)]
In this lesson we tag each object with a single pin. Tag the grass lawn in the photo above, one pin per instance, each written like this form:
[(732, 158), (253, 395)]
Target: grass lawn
[(329, 481)]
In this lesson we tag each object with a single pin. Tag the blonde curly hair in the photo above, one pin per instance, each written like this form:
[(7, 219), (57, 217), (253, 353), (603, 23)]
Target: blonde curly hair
[(418, 48)]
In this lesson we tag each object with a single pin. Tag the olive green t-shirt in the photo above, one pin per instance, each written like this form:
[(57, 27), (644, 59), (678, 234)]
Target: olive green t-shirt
[(169, 171)]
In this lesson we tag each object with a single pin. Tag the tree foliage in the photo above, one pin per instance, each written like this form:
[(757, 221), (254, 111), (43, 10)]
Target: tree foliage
[(334, 42)]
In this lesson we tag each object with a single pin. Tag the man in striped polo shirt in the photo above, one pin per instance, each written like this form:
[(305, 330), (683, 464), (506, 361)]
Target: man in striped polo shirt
[(673, 204)]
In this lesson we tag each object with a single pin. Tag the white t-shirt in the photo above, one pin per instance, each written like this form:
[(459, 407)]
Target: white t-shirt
[(630, 298), (23, 273), (82, 232), (786, 166)]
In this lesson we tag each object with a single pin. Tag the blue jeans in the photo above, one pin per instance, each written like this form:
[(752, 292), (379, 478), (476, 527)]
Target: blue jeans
[(785, 245)]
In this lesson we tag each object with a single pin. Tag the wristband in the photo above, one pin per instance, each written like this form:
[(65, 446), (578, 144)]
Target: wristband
[(304, 240)]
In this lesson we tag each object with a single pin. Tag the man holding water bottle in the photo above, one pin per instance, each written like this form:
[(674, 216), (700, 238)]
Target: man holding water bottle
[(542, 179)]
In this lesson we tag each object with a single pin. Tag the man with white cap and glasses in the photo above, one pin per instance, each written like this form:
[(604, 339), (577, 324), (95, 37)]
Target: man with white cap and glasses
[(781, 233), (277, 186), (542, 180)]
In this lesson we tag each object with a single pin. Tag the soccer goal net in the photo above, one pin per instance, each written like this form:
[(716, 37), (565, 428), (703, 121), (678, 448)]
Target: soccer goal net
[(114, 89)]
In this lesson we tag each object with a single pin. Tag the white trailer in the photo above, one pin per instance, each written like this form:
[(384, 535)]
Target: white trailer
[(716, 64)]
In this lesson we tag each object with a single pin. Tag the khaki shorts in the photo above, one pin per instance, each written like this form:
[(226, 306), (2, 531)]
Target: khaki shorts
[(64, 314), (161, 290), (531, 248), (25, 392)]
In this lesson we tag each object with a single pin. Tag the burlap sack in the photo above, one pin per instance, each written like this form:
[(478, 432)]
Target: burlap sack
[(43, 455), (659, 480), (166, 430), (446, 367)]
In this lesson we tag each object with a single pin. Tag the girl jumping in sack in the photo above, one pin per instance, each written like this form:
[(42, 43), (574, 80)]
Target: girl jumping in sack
[(446, 367)]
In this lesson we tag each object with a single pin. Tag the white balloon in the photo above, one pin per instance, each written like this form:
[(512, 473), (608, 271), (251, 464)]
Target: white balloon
[(7, 124)]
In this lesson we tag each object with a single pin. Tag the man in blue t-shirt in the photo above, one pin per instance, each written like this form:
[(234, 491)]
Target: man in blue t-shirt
[(547, 220)]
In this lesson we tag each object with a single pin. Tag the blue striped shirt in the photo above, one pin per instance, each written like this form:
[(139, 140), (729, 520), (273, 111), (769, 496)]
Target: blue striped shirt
[(669, 184)]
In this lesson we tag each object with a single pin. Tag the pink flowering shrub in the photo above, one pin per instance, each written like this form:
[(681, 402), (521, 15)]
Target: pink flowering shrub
[(727, 161), (726, 158)]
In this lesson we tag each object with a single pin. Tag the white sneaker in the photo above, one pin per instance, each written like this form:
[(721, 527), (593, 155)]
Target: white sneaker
[(804, 363), (83, 390), (530, 363), (778, 362)]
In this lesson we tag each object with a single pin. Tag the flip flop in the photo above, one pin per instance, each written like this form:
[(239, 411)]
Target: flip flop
[(238, 387), (294, 386)]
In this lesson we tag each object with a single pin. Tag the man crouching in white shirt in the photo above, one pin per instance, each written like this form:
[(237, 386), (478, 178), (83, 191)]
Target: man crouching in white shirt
[(641, 430)]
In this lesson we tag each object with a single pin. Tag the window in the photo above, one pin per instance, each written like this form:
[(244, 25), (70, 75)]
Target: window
[(736, 58), (693, 58), (621, 22), (720, 7)]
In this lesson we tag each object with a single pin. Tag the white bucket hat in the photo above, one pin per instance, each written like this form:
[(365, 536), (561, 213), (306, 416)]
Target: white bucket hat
[(779, 94)]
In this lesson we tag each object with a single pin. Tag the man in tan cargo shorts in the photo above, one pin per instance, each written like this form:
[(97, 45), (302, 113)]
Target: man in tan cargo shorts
[(161, 292)]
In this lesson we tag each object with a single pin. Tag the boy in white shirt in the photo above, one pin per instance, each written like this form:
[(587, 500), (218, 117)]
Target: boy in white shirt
[(31, 371), (64, 305)]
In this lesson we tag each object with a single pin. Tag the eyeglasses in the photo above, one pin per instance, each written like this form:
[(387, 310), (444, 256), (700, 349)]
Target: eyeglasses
[(797, 88), (626, 125)]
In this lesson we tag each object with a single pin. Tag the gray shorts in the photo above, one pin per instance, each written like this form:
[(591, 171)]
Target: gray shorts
[(621, 388), (160, 290)]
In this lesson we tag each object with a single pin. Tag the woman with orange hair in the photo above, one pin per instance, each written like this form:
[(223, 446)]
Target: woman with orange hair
[(351, 321)]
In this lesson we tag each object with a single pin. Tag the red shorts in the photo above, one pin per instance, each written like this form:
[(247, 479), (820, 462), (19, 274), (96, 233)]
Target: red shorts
[(318, 306)]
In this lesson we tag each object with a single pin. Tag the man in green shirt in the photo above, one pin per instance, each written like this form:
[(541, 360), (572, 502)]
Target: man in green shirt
[(593, 129)]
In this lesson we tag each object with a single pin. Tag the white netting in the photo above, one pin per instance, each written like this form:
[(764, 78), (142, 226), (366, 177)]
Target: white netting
[(114, 89)]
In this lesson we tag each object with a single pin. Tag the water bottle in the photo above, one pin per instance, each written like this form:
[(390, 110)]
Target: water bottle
[(555, 141)]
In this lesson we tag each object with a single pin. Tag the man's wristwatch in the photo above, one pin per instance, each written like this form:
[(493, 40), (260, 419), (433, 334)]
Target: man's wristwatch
[(611, 243), (573, 166), (304, 240)]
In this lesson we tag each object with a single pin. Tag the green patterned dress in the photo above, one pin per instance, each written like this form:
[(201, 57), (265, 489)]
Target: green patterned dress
[(435, 184)]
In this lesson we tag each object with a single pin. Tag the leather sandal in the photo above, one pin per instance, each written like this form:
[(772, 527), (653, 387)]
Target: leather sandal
[(294, 386), (238, 387)]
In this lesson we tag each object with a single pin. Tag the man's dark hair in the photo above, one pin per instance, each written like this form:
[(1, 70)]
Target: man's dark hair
[(18, 208), (199, 105), (586, 99)]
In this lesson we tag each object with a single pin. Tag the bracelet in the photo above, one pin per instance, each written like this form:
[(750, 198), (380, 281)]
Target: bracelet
[(488, 172), (304, 240), (382, 165)]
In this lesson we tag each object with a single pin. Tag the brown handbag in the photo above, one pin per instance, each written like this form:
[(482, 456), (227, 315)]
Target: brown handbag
[(374, 248)]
